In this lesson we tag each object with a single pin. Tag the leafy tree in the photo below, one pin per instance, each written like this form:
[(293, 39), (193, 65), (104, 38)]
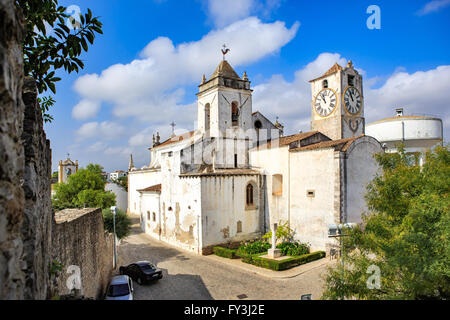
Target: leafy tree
[(405, 234), (86, 188), (46, 52), (123, 182), (123, 223), (55, 174)]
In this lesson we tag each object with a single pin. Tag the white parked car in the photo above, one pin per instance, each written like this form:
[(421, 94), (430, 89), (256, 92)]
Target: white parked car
[(120, 288)]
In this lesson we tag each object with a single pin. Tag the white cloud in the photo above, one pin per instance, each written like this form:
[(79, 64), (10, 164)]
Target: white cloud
[(223, 13), (105, 130), (149, 88), (85, 109), (226, 12), (422, 92), (291, 101), (433, 6)]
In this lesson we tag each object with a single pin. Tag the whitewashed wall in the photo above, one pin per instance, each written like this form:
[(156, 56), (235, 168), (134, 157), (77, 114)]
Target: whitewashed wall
[(361, 168), (224, 204), (137, 180)]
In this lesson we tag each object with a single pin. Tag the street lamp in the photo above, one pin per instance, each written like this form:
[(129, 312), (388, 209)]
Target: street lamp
[(114, 211), (336, 231)]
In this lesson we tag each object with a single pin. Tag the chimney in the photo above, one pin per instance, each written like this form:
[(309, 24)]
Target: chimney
[(399, 112)]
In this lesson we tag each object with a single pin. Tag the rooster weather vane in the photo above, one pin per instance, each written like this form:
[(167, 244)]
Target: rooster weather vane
[(225, 50)]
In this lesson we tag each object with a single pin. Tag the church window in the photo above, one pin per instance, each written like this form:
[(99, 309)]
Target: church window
[(351, 80), (148, 215), (235, 160), (154, 216), (258, 124), (311, 193), (191, 231), (325, 84), (170, 154), (277, 185), (234, 114), (249, 195), (170, 209), (239, 227)]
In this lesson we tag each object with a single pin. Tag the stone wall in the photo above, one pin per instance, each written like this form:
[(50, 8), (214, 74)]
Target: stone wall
[(38, 211), (26, 215), (12, 278), (79, 239)]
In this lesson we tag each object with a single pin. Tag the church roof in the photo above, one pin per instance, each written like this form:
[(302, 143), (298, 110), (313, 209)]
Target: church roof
[(155, 188), (335, 68), (224, 69), (222, 172), (176, 139), (284, 141), (338, 145)]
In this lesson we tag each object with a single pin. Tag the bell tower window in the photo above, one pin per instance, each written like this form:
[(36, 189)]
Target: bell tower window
[(351, 80), (234, 114), (207, 117), (325, 84)]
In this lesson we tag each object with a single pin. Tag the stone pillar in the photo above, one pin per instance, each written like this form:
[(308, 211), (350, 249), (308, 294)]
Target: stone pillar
[(274, 252)]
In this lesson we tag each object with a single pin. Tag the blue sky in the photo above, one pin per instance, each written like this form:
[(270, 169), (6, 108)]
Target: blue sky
[(143, 73)]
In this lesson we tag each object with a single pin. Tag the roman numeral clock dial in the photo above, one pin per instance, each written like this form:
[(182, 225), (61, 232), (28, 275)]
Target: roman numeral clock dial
[(325, 102), (352, 100)]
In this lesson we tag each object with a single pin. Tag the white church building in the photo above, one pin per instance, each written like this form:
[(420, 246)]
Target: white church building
[(236, 174)]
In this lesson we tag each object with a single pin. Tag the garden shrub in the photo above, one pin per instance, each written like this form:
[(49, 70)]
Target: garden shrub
[(250, 248), (293, 248), (283, 264), (225, 252)]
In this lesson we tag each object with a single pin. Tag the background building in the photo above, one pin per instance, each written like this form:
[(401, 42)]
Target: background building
[(417, 133)]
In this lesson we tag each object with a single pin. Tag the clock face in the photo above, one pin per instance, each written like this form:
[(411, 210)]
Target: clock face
[(325, 102), (352, 100)]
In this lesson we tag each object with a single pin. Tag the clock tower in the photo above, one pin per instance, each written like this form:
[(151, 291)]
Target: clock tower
[(338, 103)]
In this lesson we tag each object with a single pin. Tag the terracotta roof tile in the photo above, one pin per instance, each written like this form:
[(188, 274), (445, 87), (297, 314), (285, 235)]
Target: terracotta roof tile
[(341, 145), (335, 68), (284, 141), (222, 172), (176, 139), (156, 188)]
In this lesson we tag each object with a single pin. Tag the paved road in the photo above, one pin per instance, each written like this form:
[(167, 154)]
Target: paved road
[(187, 276)]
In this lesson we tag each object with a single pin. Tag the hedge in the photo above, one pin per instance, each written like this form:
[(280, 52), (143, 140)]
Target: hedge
[(225, 253), (279, 265)]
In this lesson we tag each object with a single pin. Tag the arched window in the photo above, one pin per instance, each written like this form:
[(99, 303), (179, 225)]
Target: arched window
[(258, 125), (207, 117), (325, 84), (234, 114), (154, 217), (249, 195)]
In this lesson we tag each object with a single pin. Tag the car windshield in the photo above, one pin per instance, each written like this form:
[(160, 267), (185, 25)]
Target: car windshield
[(146, 267), (118, 290)]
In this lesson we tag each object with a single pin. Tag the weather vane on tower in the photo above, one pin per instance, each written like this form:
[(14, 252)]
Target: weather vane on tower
[(225, 50)]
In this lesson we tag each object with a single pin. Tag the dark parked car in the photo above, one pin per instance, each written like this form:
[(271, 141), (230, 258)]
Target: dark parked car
[(142, 272)]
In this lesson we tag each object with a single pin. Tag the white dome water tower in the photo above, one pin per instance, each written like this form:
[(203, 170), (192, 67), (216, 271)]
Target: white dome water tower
[(417, 133)]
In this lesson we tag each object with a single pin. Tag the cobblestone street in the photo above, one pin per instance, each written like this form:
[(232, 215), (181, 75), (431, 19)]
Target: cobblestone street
[(191, 277)]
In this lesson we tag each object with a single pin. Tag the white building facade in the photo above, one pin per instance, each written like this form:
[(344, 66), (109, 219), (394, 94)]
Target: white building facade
[(236, 174)]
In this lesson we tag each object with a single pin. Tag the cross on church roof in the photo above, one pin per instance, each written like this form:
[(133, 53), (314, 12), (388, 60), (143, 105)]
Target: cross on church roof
[(173, 125)]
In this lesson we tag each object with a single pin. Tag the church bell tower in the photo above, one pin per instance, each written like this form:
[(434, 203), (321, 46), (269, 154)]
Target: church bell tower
[(224, 102), (338, 103)]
